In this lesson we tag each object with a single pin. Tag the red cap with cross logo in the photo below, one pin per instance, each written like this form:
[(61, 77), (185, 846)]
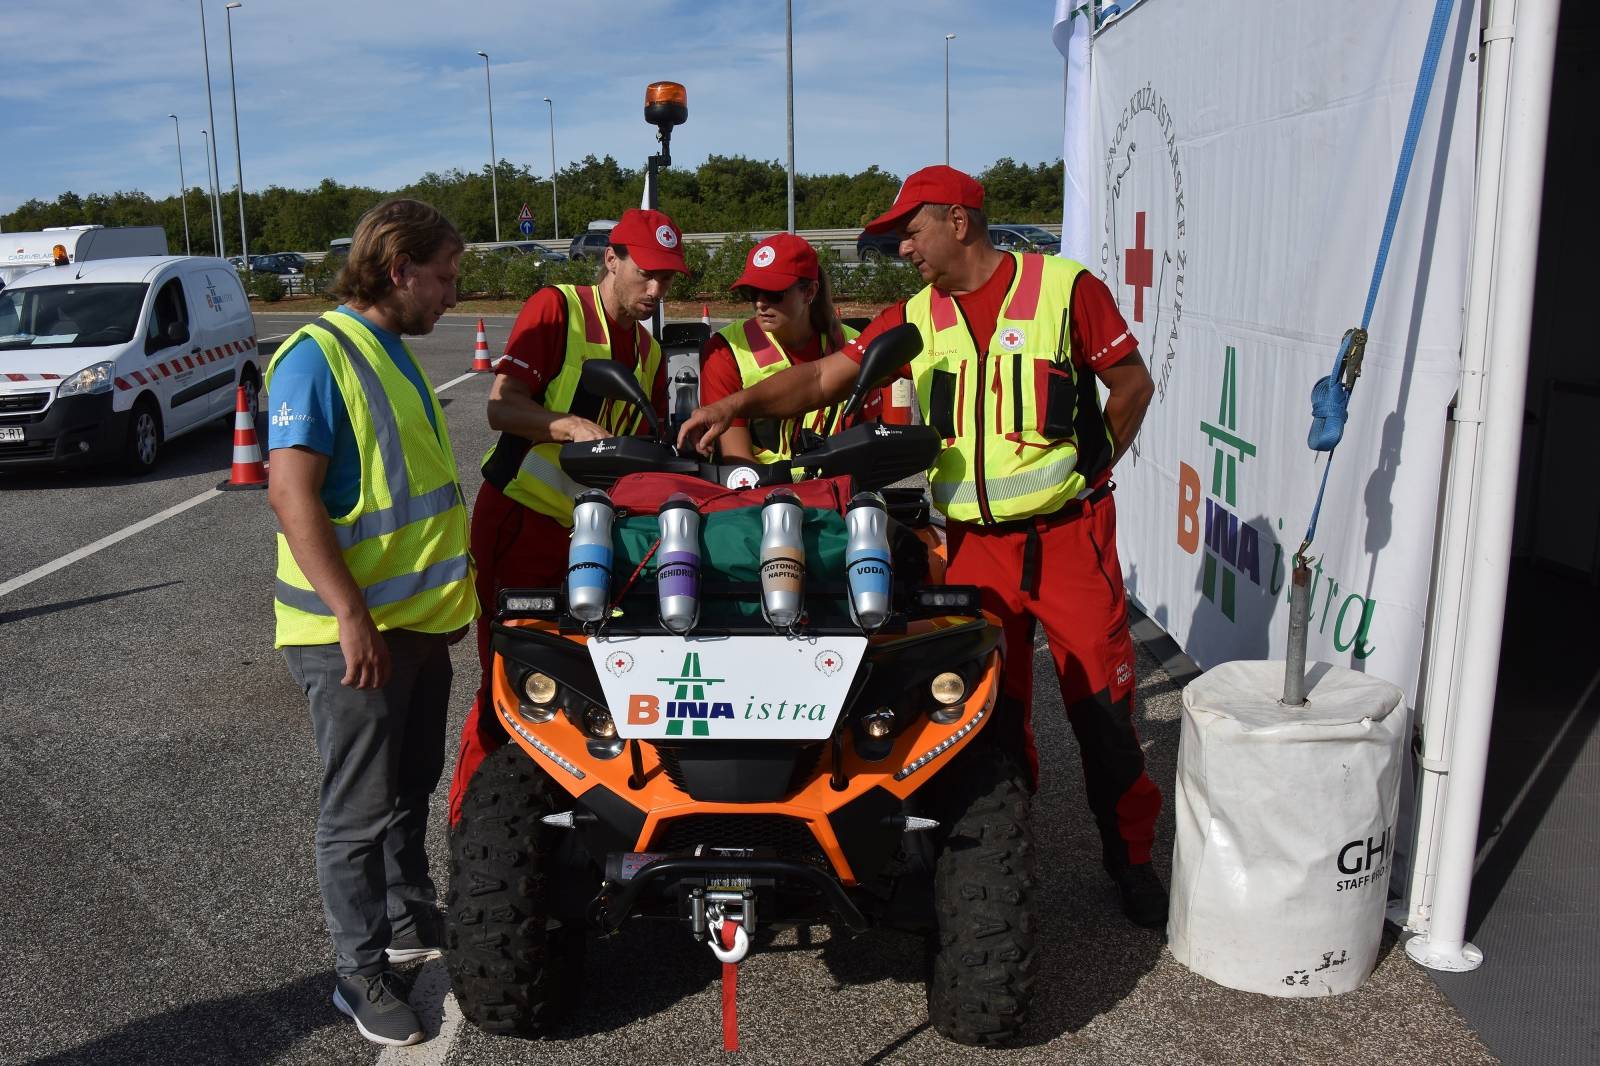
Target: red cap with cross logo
[(930, 185), (653, 240)]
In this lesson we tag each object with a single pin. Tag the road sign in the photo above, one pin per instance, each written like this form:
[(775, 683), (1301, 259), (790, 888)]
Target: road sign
[(525, 215), (526, 226)]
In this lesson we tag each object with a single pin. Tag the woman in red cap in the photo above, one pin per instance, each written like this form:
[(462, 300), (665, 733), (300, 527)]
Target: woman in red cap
[(794, 322), (523, 517)]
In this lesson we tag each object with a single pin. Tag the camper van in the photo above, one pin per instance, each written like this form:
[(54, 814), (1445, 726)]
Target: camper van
[(111, 359), (22, 252)]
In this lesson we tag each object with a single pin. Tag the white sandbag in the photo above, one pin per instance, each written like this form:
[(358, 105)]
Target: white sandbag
[(1285, 828)]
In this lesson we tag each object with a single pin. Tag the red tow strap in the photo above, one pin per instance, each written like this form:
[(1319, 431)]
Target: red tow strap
[(730, 990)]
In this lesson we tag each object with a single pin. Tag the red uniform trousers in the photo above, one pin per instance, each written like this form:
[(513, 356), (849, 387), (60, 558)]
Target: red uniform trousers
[(1080, 601), (514, 547)]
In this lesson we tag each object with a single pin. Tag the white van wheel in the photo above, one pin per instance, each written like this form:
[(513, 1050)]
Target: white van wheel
[(144, 437)]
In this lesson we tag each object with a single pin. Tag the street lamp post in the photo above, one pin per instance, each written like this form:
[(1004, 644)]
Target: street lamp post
[(788, 36), (555, 209), (183, 190), (947, 39), (211, 186), (211, 155), (494, 185), (233, 87)]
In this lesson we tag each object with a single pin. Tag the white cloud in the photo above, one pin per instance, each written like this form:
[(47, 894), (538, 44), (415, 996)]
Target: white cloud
[(377, 92)]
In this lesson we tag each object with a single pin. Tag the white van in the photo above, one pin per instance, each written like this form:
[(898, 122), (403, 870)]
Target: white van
[(21, 253), (110, 359)]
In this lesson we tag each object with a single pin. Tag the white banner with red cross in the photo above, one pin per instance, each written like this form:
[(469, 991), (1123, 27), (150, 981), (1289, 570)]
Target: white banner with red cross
[(1241, 161)]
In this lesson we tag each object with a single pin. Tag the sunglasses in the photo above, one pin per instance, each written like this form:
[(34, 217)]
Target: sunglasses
[(768, 295)]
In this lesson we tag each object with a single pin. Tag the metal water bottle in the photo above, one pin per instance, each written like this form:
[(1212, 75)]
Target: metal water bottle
[(866, 560), (589, 557), (783, 559), (678, 571)]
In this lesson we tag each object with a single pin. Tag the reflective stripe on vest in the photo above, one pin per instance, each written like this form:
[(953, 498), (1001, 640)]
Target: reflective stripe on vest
[(759, 355), (999, 421), (540, 484), (408, 553)]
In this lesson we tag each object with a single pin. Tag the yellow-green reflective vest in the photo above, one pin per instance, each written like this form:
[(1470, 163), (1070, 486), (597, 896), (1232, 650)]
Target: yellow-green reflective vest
[(539, 483), (1023, 434), (759, 355), (405, 541)]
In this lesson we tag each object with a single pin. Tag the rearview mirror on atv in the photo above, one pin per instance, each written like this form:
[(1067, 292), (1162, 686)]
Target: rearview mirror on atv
[(882, 360), (611, 380)]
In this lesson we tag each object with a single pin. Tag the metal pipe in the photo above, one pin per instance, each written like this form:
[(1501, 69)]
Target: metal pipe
[(183, 200), (494, 182), (1527, 31), (555, 208), (788, 24), (238, 160), (947, 39), (211, 187), (211, 115), (1294, 672)]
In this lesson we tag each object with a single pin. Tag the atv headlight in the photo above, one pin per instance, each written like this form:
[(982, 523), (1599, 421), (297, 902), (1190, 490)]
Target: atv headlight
[(948, 688), (598, 723), (539, 688), (89, 381), (878, 723)]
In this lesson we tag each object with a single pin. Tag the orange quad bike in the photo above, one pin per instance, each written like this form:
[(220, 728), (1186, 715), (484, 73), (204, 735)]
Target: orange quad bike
[(741, 775)]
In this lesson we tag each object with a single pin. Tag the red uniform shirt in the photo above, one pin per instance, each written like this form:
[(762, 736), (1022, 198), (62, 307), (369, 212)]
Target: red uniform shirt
[(1100, 337), (538, 346)]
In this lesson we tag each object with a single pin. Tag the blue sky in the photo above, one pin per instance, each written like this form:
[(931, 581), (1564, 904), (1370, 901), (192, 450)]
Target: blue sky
[(377, 92)]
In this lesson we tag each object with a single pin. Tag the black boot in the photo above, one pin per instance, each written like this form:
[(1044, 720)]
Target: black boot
[(1144, 899)]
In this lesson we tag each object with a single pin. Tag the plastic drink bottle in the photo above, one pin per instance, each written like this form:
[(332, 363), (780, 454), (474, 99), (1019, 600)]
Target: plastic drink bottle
[(589, 557), (678, 572), (783, 559), (866, 560)]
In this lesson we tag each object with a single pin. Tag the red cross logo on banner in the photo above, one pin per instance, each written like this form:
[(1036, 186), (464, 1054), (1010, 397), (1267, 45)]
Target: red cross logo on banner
[(1139, 270)]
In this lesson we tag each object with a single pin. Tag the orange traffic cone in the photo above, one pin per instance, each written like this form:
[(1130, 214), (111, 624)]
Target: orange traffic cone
[(705, 315), (480, 352), (249, 472)]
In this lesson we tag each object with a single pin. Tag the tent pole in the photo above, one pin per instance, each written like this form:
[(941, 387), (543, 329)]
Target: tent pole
[(1519, 56)]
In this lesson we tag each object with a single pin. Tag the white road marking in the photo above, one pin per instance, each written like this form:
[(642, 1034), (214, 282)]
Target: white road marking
[(140, 526), (436, 1006), (87, 550)]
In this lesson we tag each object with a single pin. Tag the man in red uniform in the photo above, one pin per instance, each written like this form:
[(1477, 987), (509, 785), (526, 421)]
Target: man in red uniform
[(523, 516), (1012, 347)]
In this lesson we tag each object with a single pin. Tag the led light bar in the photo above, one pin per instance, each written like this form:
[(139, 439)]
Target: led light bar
[(539, 745), (939, 749)]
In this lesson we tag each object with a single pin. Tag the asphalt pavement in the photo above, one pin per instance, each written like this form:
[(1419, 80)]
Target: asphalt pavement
[(158, 787)]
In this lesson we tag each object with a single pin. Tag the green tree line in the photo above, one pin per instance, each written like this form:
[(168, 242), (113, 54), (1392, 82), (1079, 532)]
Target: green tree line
[(723, 194)]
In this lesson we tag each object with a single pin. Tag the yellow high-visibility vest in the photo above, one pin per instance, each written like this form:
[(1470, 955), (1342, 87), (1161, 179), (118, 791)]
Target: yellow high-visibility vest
[(759, 355), (998, 463), (405, 541), (539, 483)]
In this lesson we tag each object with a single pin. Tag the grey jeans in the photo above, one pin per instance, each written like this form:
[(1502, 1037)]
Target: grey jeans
[(382, 752)]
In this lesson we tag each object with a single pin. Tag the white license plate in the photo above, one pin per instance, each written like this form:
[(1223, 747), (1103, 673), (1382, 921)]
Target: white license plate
[(10, 433), (746, 688)]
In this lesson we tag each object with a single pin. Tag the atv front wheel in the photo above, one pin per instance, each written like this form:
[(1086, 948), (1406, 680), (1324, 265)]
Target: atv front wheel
[(514, 965), (985, 948)]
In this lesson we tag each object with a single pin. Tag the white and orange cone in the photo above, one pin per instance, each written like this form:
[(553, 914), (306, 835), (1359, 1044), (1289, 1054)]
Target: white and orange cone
[(480, 352), (705, 315), (249, 472)]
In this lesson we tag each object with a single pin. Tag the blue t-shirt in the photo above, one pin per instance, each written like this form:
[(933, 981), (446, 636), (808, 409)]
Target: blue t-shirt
[(306, 409)]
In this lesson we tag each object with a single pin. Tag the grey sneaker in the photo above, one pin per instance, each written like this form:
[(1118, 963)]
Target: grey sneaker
[(378, 1006), (422, 940)]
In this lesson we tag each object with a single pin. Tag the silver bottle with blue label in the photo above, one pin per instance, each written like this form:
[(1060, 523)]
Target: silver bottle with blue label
[(678, 566), (783, 559), (868, 569), (589, 557)]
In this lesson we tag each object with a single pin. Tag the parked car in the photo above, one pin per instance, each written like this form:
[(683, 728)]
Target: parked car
[(279, 263), (591, 243), (877, 246), (1023, 237), (530, 248)]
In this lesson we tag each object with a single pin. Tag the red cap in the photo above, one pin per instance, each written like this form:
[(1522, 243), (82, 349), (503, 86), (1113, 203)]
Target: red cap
[(653, 240), (930, 185), (778, 262)]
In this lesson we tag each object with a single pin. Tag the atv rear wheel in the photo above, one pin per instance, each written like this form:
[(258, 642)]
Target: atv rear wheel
[(514, 965), (985, 947)]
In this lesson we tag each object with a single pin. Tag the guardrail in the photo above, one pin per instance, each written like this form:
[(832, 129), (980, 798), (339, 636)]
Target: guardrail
[(841, 240)]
